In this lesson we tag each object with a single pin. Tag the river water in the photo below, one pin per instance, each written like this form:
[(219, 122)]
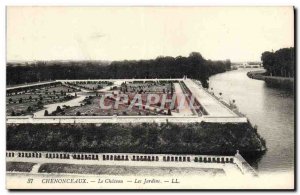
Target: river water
[(272, 110)]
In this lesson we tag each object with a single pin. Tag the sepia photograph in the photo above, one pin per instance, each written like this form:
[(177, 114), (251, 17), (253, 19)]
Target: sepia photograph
[(144, 98)]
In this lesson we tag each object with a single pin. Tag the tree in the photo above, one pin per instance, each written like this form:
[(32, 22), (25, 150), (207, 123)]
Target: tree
[(169, 112), (152, 137), (58, 109), (172, 88), (29, 109), (279, 63), (46, 113), (78, 113), (40, 104), (194, 66), (268, 60)]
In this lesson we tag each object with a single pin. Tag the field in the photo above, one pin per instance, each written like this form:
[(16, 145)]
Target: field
[(127, 170), (19, 166)]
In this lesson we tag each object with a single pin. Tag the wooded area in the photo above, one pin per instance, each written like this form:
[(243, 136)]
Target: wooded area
[(279, 63), (193, 138), (193, 66)]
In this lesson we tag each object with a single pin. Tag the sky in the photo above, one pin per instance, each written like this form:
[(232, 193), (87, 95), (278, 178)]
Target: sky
[(133, 33)]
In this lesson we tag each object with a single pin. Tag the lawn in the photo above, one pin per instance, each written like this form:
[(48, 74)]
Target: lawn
[(29, 101), (57, 90), (92, 108), (19, 166), (127, 170), (148, 87), (90, 85)]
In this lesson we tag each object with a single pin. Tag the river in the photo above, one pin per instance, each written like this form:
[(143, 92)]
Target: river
[(272, 110)]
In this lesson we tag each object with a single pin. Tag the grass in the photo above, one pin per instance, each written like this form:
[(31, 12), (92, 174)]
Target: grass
[(22, 108), (148, 87), (19, 166), (91, 85), (94, 109), (126, 170), (18, 108), (18, 104), (35, 99), (57, 90)]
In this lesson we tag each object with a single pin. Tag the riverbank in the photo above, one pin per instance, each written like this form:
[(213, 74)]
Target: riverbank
[(169, 138), (273, 81), (271, 109)]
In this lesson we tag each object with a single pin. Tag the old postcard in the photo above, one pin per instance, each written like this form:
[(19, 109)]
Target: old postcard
[(150, 98)]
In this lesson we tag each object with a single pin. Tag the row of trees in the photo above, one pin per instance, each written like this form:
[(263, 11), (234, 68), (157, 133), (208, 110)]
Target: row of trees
[(194, 66), (191, 138), (279, 63)]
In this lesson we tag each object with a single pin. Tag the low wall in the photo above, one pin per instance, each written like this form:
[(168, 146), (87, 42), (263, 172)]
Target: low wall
[(124, 119), (225, 119), (244, 166), (181, 160), (122, 80), (30, 85)]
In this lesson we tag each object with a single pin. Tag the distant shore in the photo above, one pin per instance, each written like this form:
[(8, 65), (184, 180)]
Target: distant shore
[(273, 81)]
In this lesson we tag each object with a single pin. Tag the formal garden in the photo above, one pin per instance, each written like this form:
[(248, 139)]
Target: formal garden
[(90, 85), (90, 106), (27, 101)]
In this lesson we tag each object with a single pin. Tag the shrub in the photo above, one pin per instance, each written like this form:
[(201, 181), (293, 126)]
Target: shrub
[(58, 109), (193, 138), (29, 109), (46, 113)]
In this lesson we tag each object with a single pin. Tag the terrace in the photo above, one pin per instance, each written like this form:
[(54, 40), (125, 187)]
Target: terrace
[(79, 98), (229, 165)]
